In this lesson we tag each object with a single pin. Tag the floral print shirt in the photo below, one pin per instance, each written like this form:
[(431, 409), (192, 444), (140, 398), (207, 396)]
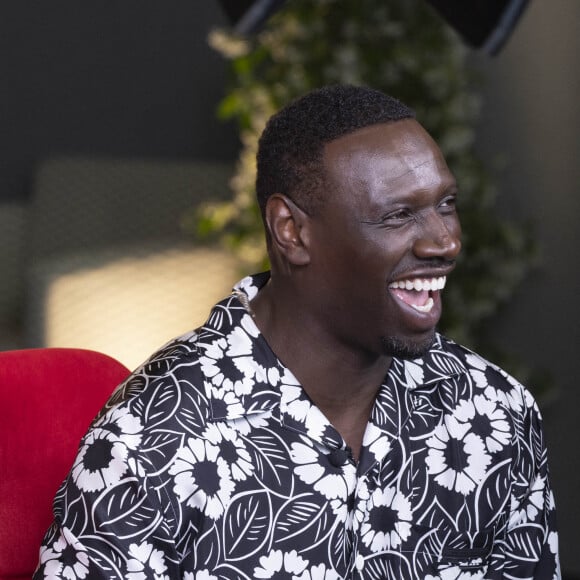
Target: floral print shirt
[(210, 462)]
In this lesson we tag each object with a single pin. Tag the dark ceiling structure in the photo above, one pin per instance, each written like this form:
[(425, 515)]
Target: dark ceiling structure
[(482, 24)]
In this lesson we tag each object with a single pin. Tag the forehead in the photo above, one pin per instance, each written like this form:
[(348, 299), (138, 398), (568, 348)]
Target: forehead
[(399, 155)]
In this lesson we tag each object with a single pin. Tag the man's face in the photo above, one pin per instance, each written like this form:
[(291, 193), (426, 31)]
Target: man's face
[(384, 239)]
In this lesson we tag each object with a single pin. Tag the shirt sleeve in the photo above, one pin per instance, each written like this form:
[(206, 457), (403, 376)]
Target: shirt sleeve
[(111, 520), (531, 549)]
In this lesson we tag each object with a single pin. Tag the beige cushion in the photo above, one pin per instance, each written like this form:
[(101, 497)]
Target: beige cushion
[(127, 302)]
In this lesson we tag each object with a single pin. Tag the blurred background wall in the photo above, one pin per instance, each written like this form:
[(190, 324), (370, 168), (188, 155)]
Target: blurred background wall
[(530, 126), (136, 80)]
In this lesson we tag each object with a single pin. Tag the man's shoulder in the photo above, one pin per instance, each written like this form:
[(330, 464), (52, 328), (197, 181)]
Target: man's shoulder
[(177, 353), (486, 376), (175, 364), (471, 359)]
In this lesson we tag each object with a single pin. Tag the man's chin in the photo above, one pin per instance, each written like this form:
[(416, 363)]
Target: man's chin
[(407, 349)]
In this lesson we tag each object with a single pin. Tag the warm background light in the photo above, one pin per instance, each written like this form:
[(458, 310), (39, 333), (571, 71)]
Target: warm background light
[(130, 306)]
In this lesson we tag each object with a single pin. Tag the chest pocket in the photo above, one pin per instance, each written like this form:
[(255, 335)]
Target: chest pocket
[(444, 554)]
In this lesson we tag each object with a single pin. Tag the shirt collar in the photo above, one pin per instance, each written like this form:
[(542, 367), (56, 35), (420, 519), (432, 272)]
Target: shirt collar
[(243, 376)]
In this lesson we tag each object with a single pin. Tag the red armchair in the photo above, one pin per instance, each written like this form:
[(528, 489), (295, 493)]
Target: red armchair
[(48, 399)]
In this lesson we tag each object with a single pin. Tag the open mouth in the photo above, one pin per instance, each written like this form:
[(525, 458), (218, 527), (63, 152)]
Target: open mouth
[(418, 292)]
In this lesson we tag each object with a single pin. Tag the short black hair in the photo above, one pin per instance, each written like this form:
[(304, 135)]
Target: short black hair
[(289, 159)]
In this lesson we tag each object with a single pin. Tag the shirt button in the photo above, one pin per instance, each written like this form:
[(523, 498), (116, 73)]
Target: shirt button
[(350, 502)]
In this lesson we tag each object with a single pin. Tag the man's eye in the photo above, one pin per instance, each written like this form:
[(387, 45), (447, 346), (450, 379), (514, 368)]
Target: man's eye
[(397, 216), (449, 204)]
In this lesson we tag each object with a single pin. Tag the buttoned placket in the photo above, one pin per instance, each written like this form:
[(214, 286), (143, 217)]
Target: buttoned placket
[(363, 477)]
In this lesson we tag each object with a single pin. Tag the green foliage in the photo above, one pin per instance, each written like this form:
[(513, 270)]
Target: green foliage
[(404, 49)]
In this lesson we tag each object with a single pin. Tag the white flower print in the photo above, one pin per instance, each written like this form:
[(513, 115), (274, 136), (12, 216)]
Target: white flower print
[(303, 410), (124, 425), (288, 378), (252, 496), (376, 441), (553, 545), (456, 457), (247, 286), (239, 342), (232, 363), (279, 565), (223, 370), (455, 573), (477, 364), (245, 425), (533, 503), (388, 523), (231, 448), (551, 505), (145, 563), (553, 542), (486, 418), (296, 405), (311, 467), (101, 461), (242, 344), (413, 373), (363, 494), (319, 572), (202, 478), (497, 431), (200, 575), (65, 558), (225, 404), (510, 397), (343, 515)]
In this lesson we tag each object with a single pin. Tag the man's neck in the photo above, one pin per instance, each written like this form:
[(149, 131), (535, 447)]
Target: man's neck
[(342, 382)]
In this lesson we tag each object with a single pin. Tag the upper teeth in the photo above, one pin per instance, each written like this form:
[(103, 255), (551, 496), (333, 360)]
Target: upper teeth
[(419, 284)]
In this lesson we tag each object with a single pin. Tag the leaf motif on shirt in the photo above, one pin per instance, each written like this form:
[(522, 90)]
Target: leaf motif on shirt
[(443, 364), (262, 400), (341, 549), (426, 411), (128, 390), (246, 524), (207, 546), (448, 393), (123, 511), (193, 411), (104, 563), (158, 447), (492, 494), (163, 361), (437, 516), (271, 458), (391, 408), (524, 473), (396, 566), (428, 545), (303, 521), (68, 503), (525, 543), (229, 572), (162, 404)]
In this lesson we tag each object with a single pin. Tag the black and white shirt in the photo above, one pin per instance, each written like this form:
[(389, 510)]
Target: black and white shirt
[(210, 462)]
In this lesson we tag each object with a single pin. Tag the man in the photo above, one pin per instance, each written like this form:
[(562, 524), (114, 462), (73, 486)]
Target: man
[(317, 426)]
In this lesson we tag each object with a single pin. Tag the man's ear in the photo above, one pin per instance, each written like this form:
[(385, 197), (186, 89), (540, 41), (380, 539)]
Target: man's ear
[(289, 229)]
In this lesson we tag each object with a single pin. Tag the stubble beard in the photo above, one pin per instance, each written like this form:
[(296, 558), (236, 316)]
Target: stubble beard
[(406, 349)]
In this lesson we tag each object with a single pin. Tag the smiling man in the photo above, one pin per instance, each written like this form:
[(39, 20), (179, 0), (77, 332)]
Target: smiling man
[(317, 426)]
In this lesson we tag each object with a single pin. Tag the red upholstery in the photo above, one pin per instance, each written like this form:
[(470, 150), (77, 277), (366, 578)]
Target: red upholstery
[(48, 399)]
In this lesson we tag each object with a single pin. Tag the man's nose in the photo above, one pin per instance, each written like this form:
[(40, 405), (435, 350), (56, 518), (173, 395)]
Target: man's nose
[(440, 237)]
